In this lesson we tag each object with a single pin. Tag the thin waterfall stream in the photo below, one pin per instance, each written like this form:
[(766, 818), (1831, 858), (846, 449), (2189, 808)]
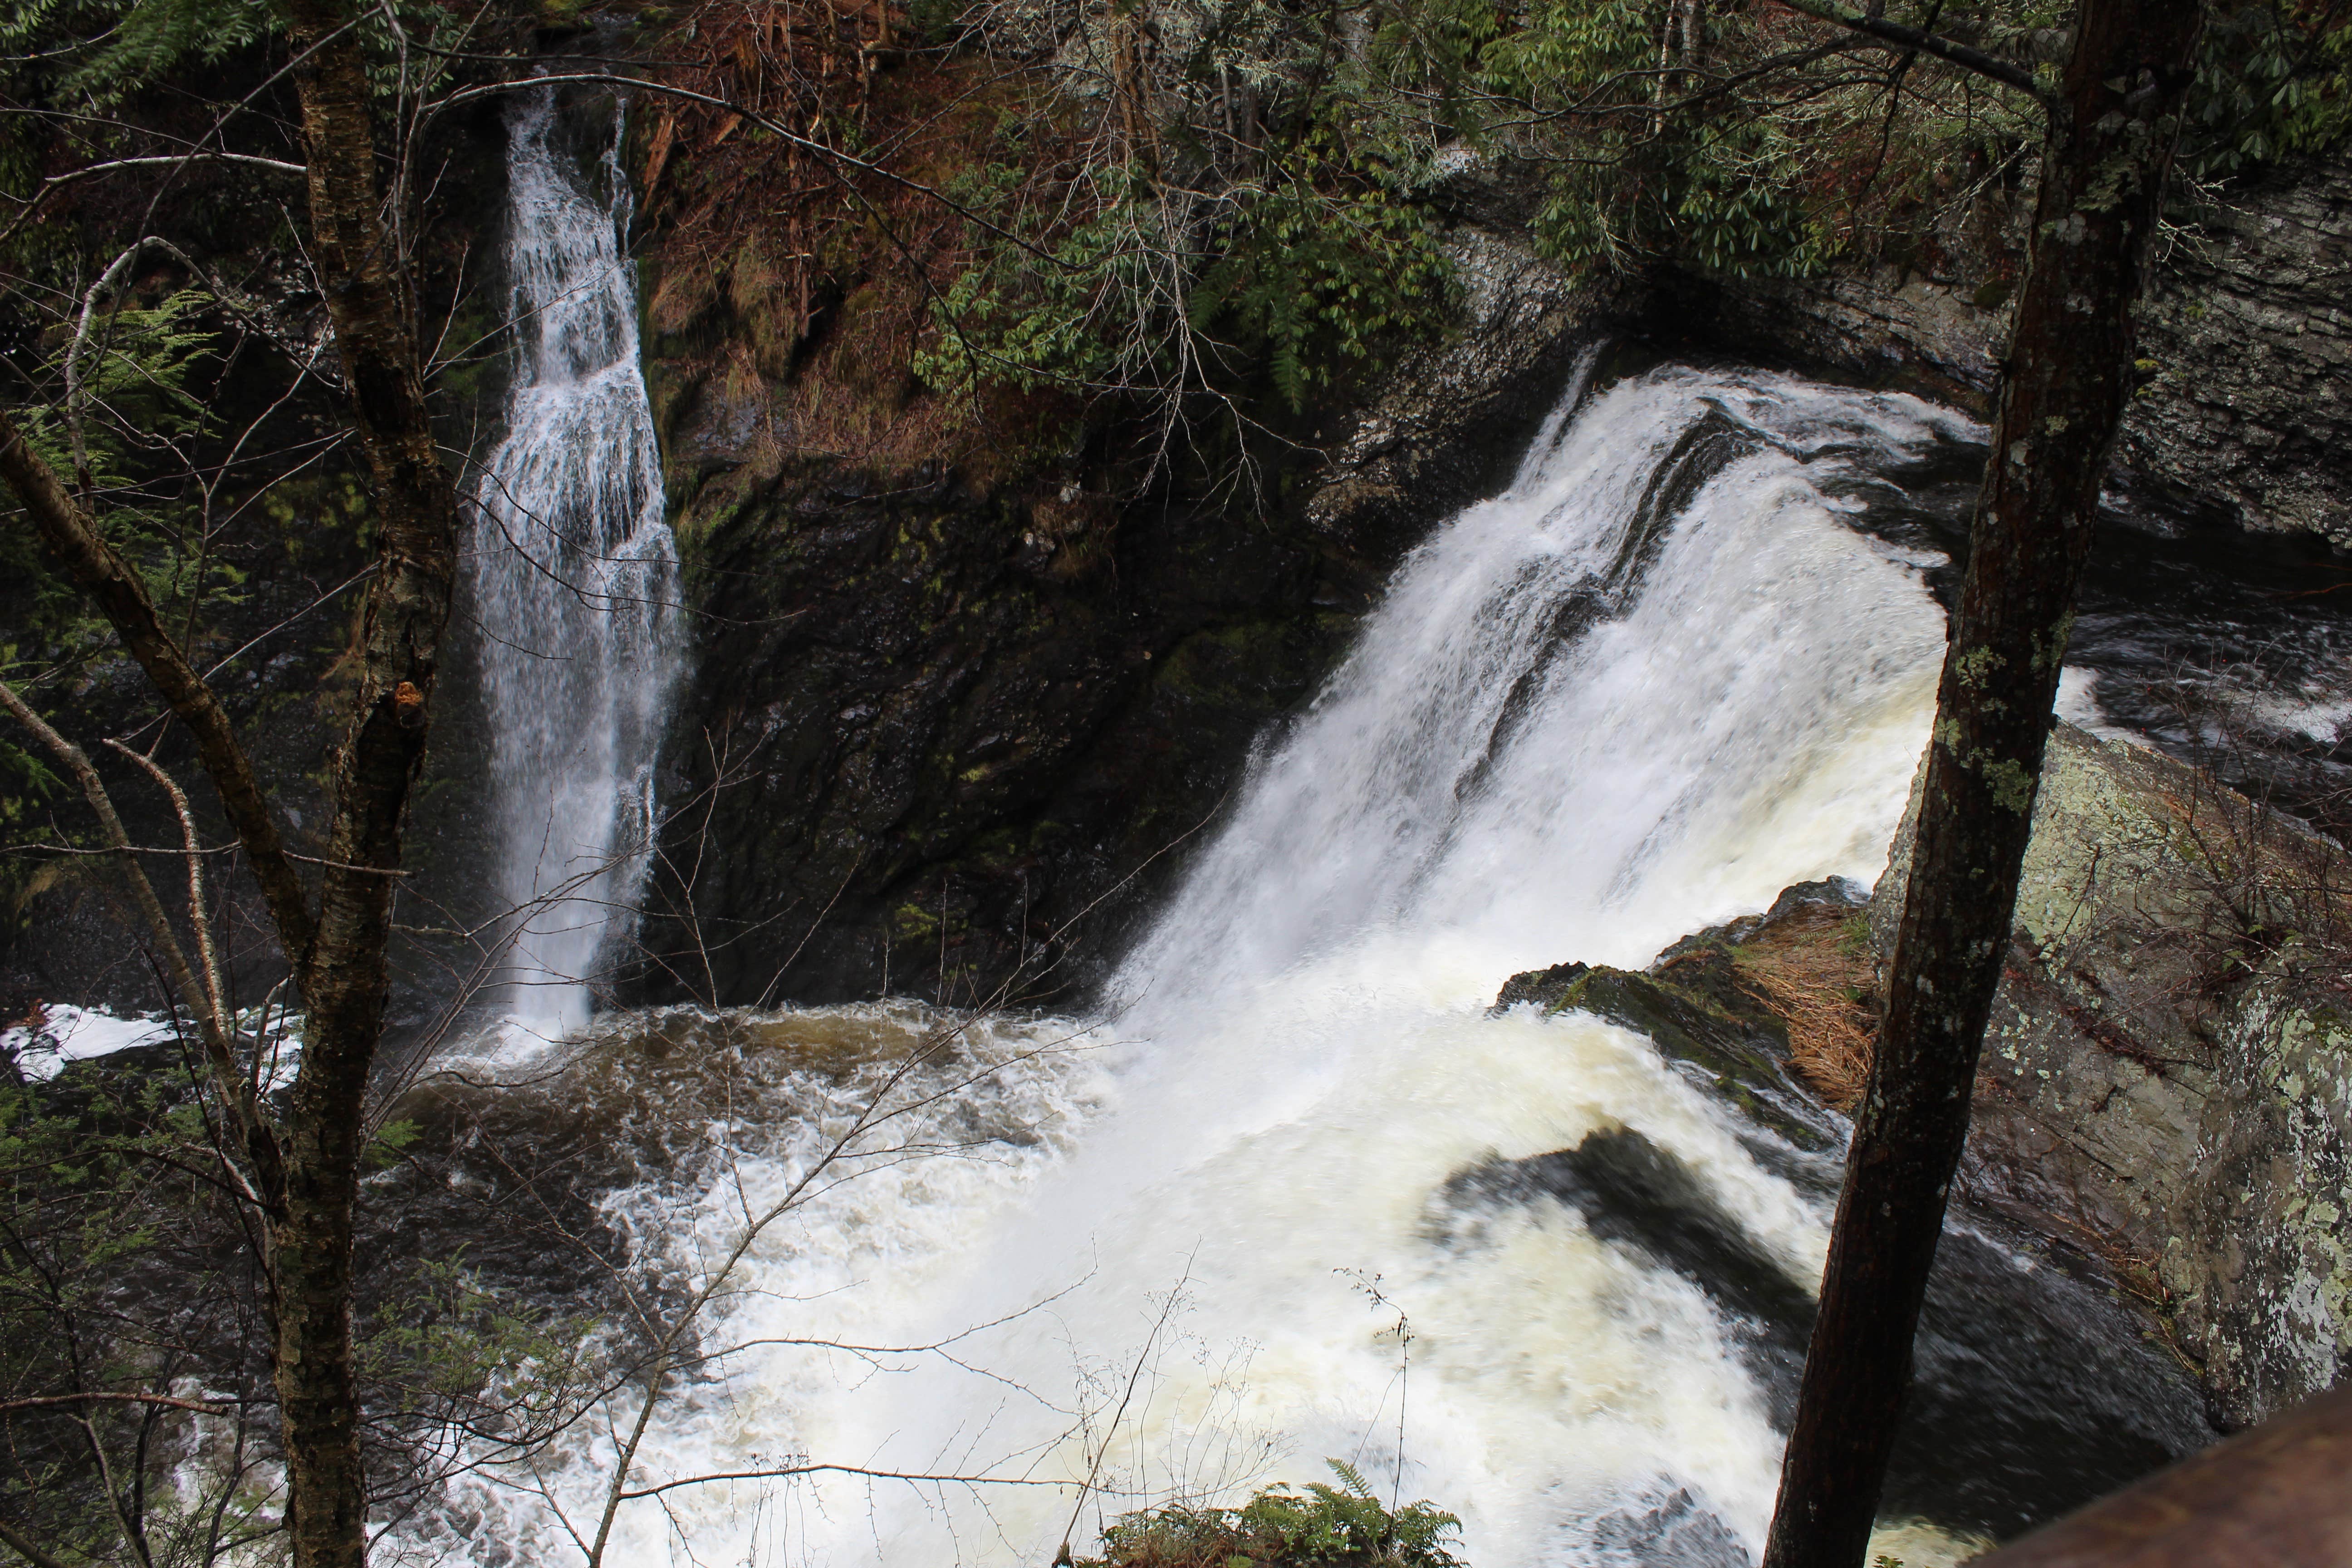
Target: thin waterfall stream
[(1230, 1226), (575, 582)]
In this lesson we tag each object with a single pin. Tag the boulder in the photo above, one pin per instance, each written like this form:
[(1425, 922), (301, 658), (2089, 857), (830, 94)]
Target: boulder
[(2167, 1071)]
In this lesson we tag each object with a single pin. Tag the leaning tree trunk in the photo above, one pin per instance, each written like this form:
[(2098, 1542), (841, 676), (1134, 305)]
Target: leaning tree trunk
[(2064, 390)]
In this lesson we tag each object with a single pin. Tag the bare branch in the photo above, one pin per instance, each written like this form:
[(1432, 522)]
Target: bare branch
[(201, 997), (199, 918), (89, 171), (775, 1472), (73, 535), (1896, 36), (48, 1401)]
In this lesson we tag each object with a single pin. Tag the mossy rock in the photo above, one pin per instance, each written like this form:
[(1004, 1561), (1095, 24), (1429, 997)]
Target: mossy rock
[(1741, 1052), (1693, 1005)]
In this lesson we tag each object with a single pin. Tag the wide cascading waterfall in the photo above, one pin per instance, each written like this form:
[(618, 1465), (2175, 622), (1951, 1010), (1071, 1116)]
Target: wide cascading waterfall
[(1593, 710), (574, 579), (1660, 677)]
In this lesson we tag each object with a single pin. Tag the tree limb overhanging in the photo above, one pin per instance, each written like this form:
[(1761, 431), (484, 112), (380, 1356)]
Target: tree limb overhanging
[(1893, 35)]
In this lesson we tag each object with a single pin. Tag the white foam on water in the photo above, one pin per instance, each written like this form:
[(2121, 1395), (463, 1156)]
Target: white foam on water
[(2324, 717), (68, 1034), (62, 1033), (2078, 704)]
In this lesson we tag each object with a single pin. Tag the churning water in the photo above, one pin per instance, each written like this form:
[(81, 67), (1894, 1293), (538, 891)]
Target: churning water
[(1232, 1227), (574, 579)]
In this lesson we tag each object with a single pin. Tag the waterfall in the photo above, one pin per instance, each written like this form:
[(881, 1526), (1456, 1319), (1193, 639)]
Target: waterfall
[(574, 579), (1666, 673), (1594, 711)]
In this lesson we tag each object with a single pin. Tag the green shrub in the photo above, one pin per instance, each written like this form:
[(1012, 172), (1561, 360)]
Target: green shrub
[(1323, 1527)]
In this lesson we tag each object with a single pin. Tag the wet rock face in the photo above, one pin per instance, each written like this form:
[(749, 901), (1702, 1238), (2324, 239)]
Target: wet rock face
[(1887, 326), (921, 754), (2245, 338), (946, 728)]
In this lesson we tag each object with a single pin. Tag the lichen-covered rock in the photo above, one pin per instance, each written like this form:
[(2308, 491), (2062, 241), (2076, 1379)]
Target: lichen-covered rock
[(2167, 1073), (2270, 1273)]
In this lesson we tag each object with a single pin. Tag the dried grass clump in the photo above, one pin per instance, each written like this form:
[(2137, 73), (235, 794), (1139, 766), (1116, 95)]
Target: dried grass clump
[(1813, 973)]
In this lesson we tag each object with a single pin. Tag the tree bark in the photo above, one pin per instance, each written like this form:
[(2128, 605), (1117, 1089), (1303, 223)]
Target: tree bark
[(2064, 390), (346, 973)]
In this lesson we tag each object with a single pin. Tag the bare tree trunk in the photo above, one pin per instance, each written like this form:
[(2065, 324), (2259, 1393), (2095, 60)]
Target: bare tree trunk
[(346, 973), (2064, 390)]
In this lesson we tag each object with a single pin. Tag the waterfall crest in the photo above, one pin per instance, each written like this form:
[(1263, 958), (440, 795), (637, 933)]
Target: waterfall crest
[(574, 579), (1591, 713)]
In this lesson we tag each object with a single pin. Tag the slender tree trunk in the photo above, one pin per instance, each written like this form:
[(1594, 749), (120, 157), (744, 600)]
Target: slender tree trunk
[(346, 973), (2062, 395)]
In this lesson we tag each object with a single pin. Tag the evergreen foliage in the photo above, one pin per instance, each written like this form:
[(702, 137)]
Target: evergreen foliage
[(1326, 1526), (2275, 82), (1212, 224), (103, 53), (1300, 282)]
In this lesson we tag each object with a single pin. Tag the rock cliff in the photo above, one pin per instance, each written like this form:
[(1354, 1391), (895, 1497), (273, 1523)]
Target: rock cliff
[(950, 719), (954, 708), (2245, 341)]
